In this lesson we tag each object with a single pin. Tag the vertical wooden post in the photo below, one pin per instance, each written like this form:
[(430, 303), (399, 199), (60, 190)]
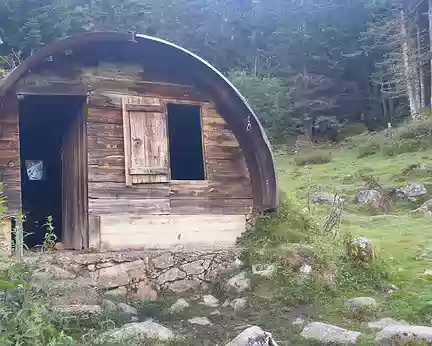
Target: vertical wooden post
[(94, 232), (19, 237)]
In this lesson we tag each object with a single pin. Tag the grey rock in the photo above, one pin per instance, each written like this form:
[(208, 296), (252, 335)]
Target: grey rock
[(211, 301), (226, 303), (327, 333), (411, 191), (370, 197), (137, 331), (361, 302), (215, 313), (202, 321), (385, 322), (127, 310), (325, 198), (298, 321), (78, 310), (403, 334), (52, 272), (306, 269), (178, 306), (238, 283), (265, 270), (253, 336), (238, 304), (109, 306), (145, 292), (361, 249)]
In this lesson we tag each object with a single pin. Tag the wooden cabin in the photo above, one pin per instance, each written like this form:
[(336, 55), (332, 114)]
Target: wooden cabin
[(130, 142)]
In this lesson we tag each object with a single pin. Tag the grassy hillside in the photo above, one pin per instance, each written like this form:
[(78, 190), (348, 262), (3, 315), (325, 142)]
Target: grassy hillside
[(403, 241)]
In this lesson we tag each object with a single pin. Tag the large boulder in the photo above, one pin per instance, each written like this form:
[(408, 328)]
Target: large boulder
[(211, 301), (370, 197), (329, 334), (361, 249), (412, 191), (325, 198), (361, 302), (137, 332), (253, 336), (238, 283), (178, 306), (385, 322), (403, 334)]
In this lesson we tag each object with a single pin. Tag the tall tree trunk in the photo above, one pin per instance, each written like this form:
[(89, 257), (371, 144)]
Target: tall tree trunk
[(409, 70), (422, 93)]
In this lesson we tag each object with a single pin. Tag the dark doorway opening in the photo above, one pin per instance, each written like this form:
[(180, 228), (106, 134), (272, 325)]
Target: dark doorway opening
[(185, 142), (44, 122)]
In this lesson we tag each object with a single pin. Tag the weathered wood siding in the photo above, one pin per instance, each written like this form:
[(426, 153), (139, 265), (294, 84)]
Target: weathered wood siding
[(227, 188), (10, 154)]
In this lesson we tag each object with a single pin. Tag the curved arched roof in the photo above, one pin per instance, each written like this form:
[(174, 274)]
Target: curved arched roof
[(234, 108)]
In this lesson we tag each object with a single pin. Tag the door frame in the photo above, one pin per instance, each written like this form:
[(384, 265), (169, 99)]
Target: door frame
[(83, 224)]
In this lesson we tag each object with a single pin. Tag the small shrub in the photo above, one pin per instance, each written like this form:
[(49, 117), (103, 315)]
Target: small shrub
[(313, 158), (351, 130), (24, 320)]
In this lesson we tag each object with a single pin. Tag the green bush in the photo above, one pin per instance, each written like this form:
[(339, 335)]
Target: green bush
[(23, 319), (411, 137), (313, 158)]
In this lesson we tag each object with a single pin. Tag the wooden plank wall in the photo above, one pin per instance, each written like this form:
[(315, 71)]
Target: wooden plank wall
[(9, 153), (227, 189)]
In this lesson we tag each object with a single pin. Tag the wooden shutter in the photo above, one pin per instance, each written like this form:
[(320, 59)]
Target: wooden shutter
[(145, 139)]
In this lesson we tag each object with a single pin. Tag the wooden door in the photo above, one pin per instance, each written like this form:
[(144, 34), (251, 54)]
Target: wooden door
[(146, 141), (74, 184)]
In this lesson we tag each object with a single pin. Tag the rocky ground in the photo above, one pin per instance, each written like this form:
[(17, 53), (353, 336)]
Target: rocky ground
[(347, 260)]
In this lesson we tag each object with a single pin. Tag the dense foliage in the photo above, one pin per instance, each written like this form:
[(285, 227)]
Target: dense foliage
[(310, 64)]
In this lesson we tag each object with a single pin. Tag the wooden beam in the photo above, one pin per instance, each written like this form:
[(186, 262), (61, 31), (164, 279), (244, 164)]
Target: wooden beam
[(94, 232)]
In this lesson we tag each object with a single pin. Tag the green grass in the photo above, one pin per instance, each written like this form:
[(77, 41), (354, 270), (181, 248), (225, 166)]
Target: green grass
[(403, 242)]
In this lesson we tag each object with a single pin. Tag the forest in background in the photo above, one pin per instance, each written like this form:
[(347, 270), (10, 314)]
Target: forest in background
[(318, 67)]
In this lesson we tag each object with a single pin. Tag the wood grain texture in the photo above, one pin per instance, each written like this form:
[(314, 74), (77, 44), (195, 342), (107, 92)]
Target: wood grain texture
[(106, 173), (74, 185), (127, 141), (106, 115), (145, 133), (10, 175), (113, 190), (165, 232), (149, 206)]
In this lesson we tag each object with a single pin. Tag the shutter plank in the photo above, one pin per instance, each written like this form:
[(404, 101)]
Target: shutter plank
[(147, 140), (127, 141)]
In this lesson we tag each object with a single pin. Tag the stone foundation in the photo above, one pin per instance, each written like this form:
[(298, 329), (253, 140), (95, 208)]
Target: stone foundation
[(139, 274)]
